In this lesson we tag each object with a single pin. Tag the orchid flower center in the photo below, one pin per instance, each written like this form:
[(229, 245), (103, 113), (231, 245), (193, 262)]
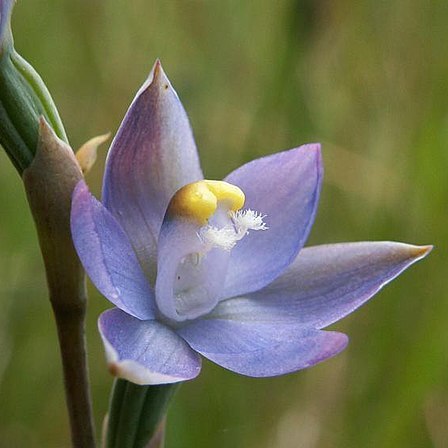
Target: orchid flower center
[(199, 200), (217, 207), (214, 222), (227, 236)]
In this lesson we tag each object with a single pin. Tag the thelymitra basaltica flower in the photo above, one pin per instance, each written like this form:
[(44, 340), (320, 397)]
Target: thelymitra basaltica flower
[(215, 268)]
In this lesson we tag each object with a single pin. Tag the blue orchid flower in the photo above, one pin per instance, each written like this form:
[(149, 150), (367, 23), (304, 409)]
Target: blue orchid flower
[(215, 268)]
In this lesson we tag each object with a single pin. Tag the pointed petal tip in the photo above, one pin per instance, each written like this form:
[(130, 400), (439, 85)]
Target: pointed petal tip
[(313, 151), (317, 147), (156, 81), (157, 77), (411, 251), (313, 148), (86, 155), (157, 65), (421, 251)]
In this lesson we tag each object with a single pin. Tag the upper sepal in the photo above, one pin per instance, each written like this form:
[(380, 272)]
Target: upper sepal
[(151, 157)]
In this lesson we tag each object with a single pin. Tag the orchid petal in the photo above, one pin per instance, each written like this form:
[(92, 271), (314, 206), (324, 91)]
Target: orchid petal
[(325, 283), (285, 187), (107, 255), (145, 352), (261, 349), (189, 280), (151, 157)]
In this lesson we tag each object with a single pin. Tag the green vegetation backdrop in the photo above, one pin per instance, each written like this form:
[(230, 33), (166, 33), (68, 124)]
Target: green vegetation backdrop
[(366, 78)]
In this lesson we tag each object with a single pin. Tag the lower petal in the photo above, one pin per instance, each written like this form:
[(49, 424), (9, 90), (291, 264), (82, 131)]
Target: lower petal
[(145, 352), (261, 349), (325, 283)]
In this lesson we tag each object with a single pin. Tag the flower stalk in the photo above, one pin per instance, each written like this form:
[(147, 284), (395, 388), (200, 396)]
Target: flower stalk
[(49, 182), (137, 415)]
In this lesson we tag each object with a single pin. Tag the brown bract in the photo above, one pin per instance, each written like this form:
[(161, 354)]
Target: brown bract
[(49, 183)]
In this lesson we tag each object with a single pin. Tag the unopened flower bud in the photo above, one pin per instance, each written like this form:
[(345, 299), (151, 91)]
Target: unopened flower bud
[(23, 99)]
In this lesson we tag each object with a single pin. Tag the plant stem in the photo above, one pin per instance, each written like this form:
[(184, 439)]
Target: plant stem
[(49, 183), (137, 415), (153, 414), (70, 326), (131, 410), (113, 418)]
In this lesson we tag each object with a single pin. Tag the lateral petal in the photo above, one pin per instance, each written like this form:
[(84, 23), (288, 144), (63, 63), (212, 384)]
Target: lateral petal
[(261, 349), (285, 187), (145, 352), (325, 283), (108, 257)]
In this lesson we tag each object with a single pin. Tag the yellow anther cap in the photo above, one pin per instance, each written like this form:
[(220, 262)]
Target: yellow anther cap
[(199, 200), (227, 192)]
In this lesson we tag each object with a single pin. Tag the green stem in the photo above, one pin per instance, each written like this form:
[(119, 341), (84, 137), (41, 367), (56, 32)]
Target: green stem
[(132, 406), (113, 419), (72, 344), (136, 414), (154, 410)]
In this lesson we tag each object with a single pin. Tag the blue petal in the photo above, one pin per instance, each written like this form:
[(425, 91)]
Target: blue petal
[(107, 255), (261, 349), (146, 352), (325, 283), (151, 157), (285, 187)]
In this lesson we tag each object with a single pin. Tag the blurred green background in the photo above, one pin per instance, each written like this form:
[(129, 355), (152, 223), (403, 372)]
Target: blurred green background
[(366, 78)]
